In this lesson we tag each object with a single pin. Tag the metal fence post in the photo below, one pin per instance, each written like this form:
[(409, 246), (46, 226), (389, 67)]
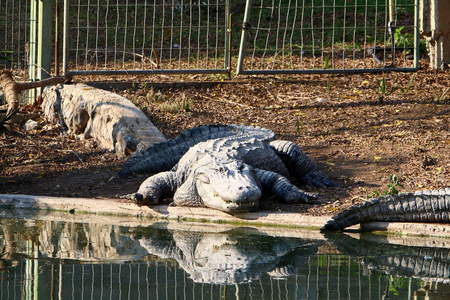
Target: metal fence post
[(416, 34), (32, 49), (65, 36), (44, 38), (246, 26)]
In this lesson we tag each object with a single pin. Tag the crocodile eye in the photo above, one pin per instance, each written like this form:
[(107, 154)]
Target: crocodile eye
[(242, 166), (203, 178)]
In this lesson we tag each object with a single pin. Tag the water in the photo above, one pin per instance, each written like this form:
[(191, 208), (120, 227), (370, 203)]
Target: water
[(63, 256)]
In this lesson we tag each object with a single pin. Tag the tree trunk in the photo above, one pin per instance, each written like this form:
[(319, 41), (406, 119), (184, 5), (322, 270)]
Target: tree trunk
[(12, 89)]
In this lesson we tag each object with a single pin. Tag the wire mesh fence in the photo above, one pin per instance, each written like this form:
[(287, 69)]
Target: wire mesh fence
[(15, 28), (163, 36), (320, 36), (188, 36)]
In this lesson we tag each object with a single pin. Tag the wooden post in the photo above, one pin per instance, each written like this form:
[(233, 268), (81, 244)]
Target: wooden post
[(435, 27), (45, 18)]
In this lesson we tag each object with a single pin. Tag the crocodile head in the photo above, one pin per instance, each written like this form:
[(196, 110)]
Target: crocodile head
[(227, 185)]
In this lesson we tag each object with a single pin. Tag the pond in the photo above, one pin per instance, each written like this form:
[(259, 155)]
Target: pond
[(58, 256)]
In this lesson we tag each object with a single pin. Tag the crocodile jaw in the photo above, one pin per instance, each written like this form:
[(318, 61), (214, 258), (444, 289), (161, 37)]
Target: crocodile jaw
[(236, 192), (231, 203)]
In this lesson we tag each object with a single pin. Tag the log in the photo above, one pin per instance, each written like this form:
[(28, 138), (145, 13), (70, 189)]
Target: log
[(12, 89)]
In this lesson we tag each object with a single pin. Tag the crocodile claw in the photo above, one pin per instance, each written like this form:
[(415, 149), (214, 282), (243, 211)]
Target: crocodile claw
[(318, 179), (297, 195), (141, 199)]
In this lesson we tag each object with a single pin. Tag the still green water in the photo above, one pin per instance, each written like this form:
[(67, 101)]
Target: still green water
[(52, 258)]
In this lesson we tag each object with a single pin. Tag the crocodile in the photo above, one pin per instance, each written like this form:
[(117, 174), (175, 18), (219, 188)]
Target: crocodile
[(229, 257), (379, 254), (428, 206), (226, 167)]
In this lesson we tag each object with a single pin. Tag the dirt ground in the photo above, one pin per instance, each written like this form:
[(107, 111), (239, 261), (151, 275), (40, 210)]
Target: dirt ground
[(359, 130)]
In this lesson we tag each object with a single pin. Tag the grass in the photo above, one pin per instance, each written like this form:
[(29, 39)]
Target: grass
[(383, 90), (440, 95), (176, 106), (392, 188), (173, 105), (155, 96), (6, 55)]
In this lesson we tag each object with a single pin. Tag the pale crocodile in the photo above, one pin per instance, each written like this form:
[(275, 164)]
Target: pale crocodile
[(424, 206), (226, 167)]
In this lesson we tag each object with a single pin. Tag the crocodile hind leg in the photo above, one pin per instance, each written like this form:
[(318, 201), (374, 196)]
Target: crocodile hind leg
[(156, 188), (281, 187), (300, 165)]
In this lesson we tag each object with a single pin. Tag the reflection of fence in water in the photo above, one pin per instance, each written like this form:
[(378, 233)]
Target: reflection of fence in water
[(323, 277), (97, 261)]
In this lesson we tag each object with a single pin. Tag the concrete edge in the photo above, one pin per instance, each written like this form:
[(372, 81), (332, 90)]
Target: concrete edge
[(426, 229), (119, 209), (405, 240)]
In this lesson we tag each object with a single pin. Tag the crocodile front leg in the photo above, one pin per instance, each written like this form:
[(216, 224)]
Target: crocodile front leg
[(300, 165), (281, 186), (155, 188)]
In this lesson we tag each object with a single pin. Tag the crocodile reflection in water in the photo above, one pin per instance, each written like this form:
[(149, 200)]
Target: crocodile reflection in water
[(229, 257), (235, 256), (395, 259), (238, 255)]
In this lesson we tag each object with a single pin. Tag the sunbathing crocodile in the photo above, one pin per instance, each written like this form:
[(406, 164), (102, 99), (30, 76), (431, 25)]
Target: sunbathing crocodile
[(425, 206), (225, 167)]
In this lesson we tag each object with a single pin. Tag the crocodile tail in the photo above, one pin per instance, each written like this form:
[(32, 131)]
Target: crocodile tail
[(165, 155), (424, 206), (430, 262), (297, 161), (280, 186), (300, 165)]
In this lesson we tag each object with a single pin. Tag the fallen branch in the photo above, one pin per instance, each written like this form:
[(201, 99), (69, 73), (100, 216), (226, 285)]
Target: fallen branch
[(12, 89)]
